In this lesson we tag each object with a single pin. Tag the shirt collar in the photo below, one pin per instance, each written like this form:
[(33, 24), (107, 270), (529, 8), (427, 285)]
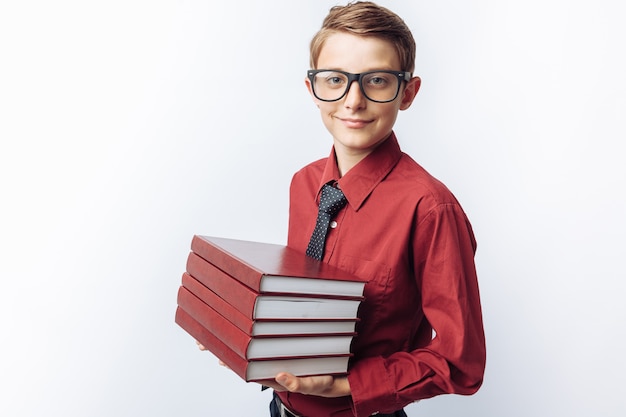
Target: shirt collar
[(360, 181)]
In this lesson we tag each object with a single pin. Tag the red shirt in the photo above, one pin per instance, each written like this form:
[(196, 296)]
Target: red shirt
[(421, 331)]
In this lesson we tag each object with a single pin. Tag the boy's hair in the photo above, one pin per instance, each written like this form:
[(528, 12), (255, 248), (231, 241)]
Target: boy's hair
[(365, 18)]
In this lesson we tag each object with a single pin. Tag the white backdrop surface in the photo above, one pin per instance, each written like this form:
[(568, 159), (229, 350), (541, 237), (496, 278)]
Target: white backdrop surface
[(128, 126)]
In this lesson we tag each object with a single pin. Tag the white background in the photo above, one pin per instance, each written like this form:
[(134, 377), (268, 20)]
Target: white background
[(127, 127)]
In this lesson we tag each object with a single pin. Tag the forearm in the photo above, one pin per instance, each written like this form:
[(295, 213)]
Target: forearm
[(385, 384)]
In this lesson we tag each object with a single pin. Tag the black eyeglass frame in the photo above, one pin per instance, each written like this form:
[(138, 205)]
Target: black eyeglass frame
[(402, 76)]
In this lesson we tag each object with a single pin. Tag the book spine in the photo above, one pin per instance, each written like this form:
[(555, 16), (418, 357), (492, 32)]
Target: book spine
[(220, 305), (234, 361), (230, 289), (224, 330), (233, 266)]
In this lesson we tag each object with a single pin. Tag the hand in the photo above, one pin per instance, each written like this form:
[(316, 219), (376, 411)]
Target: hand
[(322, 386)]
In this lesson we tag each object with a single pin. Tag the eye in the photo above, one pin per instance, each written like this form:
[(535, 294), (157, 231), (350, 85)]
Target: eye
[(331, 79), (334, 80), (379, 80)]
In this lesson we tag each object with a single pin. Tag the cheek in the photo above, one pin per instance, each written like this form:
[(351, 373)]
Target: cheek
[(326, 111), (325, 107), (327, 119), (390, 115)]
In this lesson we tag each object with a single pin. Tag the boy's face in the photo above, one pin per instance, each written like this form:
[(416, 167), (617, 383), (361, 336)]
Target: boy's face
[(357, 124)]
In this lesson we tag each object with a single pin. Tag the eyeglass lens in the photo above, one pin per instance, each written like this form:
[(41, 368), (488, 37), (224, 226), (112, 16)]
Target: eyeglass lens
[(377, 86)]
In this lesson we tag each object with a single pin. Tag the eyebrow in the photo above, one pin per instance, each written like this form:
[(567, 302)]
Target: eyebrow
[(367, 70)]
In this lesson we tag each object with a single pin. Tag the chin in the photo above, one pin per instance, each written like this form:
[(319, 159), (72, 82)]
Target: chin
[(359, 144)]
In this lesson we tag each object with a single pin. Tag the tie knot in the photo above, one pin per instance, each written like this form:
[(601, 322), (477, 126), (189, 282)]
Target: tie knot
[(332, 200)]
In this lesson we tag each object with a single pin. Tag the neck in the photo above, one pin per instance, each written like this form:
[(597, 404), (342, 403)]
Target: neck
[(347, 157), (347, 160)]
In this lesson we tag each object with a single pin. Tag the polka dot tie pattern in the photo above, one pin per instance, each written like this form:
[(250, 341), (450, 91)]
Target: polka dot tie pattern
[(331, 201)]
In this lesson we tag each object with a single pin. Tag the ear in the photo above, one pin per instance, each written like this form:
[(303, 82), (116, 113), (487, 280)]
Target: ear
[(309, 87), (307, 82), (409, 93)]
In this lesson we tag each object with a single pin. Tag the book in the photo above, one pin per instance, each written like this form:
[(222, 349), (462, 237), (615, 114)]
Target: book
[(262, 369), (271, 268), (265, 327), (256, 347), (280, 305)]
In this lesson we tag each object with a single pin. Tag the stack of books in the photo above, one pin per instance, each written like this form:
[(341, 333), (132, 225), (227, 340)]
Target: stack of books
[(263, 308)]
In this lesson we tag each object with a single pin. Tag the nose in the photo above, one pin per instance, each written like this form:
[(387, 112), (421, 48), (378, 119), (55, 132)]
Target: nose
[(354, 97)]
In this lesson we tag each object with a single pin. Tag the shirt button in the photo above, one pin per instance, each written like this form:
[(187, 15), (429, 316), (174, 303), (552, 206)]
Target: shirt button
[(333, 224)]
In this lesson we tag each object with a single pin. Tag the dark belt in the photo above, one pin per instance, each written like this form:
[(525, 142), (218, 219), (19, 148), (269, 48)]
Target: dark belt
[(285, 412)]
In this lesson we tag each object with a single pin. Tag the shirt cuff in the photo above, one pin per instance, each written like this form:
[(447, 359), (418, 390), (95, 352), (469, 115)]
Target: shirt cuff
[(372, 388)]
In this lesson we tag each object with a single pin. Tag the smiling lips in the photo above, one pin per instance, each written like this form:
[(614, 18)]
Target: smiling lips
[(354, 123)]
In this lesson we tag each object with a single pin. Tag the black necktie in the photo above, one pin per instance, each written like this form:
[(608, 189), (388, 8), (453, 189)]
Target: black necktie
[(331, 201)]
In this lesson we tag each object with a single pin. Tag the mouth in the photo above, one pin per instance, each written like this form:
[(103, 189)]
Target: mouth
[(354, 123)]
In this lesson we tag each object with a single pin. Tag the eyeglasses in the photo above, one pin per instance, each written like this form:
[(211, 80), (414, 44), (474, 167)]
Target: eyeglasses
[(377, 86)]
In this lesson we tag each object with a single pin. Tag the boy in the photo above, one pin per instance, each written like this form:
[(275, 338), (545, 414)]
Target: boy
[(421, 332)]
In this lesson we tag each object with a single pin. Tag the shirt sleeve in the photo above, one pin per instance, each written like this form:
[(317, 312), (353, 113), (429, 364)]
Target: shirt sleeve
[(454, 360)]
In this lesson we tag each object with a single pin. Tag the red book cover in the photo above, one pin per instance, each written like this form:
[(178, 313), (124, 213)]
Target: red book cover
[(259, 370), (267, 267), (210, 342), (250, 347), (260, 306), (265, 327), (235, 316), (243, 298)]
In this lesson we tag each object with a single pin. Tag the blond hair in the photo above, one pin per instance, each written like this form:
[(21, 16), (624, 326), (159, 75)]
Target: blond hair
[(366, 18)]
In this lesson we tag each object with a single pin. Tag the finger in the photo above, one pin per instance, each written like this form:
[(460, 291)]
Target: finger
[(200, 345), (272, 384), (314, 385)]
